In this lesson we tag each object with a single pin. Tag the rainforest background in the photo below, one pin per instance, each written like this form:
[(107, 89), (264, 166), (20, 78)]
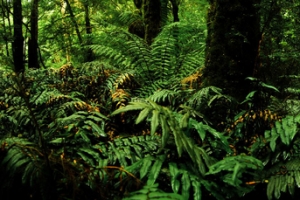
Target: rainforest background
[(149, 99)]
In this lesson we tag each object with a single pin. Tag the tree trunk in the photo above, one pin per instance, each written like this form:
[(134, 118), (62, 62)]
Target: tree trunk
[(18, 37), (175, 10), (89, 53), (6, 33), (232, 45), (152, 19), (67, 38), (32, 42), (73, 19)]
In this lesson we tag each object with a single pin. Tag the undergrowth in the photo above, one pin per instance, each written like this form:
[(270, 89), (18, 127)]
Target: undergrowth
[(140, 125)]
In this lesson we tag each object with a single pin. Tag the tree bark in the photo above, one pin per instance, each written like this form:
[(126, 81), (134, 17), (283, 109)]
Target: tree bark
[(175, 10), (232, 45), (152, 19), (33, 40), (18, 37)]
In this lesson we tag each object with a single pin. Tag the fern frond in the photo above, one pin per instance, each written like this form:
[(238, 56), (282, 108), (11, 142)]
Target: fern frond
[(284, 129), (163, 116), (152, 192), (149, 89), (128, 149), (166, 96), (204, 95), (284, 178), (236, 166), (21, 157)]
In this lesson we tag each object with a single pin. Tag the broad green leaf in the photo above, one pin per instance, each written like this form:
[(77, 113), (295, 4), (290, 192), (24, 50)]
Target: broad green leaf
[(96, 128), (270, 187), (165, 130), (184, 120), (297, 178), (197, 190), (155, 170), (277, 192), (200, 130), (154, 121), (91, 152), (175, 184), (236, 170), (86, 158), (269, 86), (186, 184), (130, 107), (143, 114), (120, 155), (57, 140), (145, 167), (98, 114), (84, 136)]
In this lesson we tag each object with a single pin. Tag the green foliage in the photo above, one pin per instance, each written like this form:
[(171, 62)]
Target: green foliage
[(284, 177), (66, 131), (236, 166), (285, 130), (152, 192)]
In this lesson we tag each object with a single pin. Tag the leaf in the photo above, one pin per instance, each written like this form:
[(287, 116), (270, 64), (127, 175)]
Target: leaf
[(273, 143), (96, 128), (154, 121), (57, 140), (155, 170), (184, 120), (175, 184), (297, 178), (197, 189), (186, 184), (86, 158), (269, 87), (143, 114), (270, 187), (145, 167), (236, 170), (84, 136), (249, 97), (165, 130), (130, 107)]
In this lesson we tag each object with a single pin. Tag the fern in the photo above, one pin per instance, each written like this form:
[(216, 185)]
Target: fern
[(164, 117), (86, 124), (284, 178), (23, 159), (286, 130), (166, 96), (206, 95), (152, 192), (239, 169), (131, 149)]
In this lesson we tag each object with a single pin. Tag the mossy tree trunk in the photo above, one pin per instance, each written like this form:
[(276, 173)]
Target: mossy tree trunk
[(232, 45)]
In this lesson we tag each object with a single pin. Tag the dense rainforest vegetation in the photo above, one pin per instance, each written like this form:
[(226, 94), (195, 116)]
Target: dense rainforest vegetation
[(149, 99)]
